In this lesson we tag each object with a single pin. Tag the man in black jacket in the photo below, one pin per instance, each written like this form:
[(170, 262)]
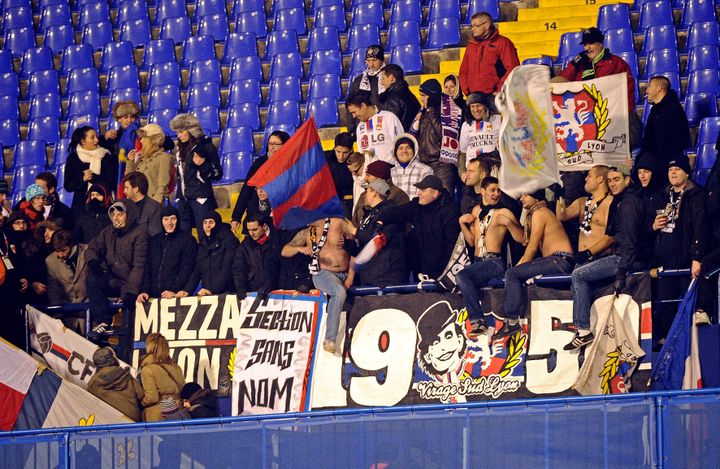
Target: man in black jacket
[(342, 177), (628, 228), (135, 186), (397, 97), (434, 216), (257, 260), (171, 259), (667, 133)]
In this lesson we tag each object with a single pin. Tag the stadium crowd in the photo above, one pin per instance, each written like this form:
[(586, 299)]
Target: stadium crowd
[(128, 231)]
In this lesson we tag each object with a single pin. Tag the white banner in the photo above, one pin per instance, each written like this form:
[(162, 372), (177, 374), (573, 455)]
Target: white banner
[(274, 353), (591, 122), (527, 144), (68, 353)]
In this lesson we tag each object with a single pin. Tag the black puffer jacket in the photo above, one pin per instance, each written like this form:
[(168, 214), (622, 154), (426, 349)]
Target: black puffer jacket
[(399, 100), (171, 262), (388, 266), (214, 260), (197, 180)]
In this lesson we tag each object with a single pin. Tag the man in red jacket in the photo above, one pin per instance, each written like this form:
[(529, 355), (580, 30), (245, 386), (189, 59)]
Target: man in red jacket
[(489, 57)]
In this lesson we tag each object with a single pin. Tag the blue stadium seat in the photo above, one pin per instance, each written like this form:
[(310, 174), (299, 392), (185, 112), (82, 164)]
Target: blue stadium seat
[(704, 81), (284, 112), (83, 102), (162, 117), (704, 161), (245, 91), (98, 12), (97, 34), (406, 10), (82, 79), (9, 107), (239, 45), (158, 51), (209, 117), (45, 105), (702, 57), (60, 153), (35, 60), (242, 6), (315, 5), (23, 177), (697, 11), (284, 65), (197, 48), (29, 152), (9, 134), (570, 45), (10, 85), (214, 26), (17, 17), (362, 36), (244, 68), (703, 34), (252, 22), (659, 37), (43, 82), (58, 37), (204, 71), (615, 16), (76, 56), (324, 110), (79, 121), (131, 10), (631, 59), (408, 56), (277, 5), (290, 19), (331, 16), (476, 6), (18, 40), (164, 97), (236, 139), (325, 86), (285, 88), (368, 13), (270, 128), (209, 8), (136, 32), (169, 9), (403, 32), (325, 61), (176, 29), (708, 131), (326, 38), (164, 74), (235, 166), (620, 40), (123, 94), (542, 60), (204, 94), (357, 63), (45, 129), (7, 4), (698, 106), (123, 76), (661, 60), (6, 61), (244, 114), (655, 13), (443, 32), (444, 9), (54, 15), (116, 54)]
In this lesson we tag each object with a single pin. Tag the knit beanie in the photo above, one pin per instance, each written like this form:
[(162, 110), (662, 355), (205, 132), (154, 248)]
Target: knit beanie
[(189, 389), (105, 356), (431, 87), (34, 190)]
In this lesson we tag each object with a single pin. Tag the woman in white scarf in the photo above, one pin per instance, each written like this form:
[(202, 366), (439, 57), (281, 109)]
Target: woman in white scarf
[(88, 164)]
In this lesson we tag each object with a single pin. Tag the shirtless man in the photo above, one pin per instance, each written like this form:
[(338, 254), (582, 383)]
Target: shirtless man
[(485, 229), (329, 266), (542, 232)]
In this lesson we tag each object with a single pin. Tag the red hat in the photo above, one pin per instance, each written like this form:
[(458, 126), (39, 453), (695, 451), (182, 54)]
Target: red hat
[(379, 169)]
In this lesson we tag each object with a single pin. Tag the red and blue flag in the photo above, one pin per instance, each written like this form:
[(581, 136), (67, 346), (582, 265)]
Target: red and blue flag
[(298, 181)]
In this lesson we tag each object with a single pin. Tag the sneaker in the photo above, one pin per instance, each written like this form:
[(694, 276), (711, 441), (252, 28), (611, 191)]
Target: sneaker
[(701, 318), (580, 341), (477, 327), (102, 329), (506, 331), (329, 346)]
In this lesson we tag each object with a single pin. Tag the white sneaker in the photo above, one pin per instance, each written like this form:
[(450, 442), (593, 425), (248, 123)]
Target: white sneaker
[(329, 346), (701, 318)]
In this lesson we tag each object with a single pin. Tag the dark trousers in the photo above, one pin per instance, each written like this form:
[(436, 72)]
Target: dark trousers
[(99, 288), (707, 293), (192, 213)]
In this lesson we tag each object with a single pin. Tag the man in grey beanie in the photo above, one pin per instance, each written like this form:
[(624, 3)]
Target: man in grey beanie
[(114, 384)]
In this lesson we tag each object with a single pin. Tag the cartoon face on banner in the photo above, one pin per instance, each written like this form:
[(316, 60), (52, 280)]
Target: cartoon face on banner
[(574, 120)]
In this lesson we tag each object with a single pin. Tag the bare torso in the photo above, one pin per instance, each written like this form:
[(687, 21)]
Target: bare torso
[(489, 231), (333, 256), (598, 224), (553, 238)]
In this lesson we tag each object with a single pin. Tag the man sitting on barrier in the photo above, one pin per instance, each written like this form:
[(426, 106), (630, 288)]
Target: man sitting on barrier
[(542, 232), (485, 229), (627, 226)]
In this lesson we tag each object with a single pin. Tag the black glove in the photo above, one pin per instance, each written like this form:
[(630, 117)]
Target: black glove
[(95, 266), (619, 284), (241, 294), (263, 293), (303, 288), (582, 257)]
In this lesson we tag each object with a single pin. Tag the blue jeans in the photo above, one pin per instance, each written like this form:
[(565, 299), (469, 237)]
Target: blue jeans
[(583, 280), (474, 276), (515, 279), (331, 283)]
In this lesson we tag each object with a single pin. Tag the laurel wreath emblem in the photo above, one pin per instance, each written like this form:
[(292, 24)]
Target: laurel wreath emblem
[(609, 370), (87, 422), (516, 346), (600, 111), (231, 362)]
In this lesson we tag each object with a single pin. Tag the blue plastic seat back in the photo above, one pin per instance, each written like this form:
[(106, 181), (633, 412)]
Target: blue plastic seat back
[(403, 32), (97, 34), (60, 154), (76, 56), (214, 26), (9, 107), (702, 57), (290, 19), (137, 32), (235, 166), (362, 36), (315, 5), (325, 86), (6, 61), (164, 74), (18, 40), (697, 11), (123, 76), (277, 5), (331, 16), (203, 71), (252, 22), (164, 97), (94, 13), (408, 56), (43, 105), (283, 65), (659, 37), (83, 102), (116, 54), (476, 6), (444, 9), (698, 106), (703, 34), (281, 42), (662, 60), (357, 62), (236, 139), (244, 115), (29, 153), (615, 16), (45, 129), (10, 85), (158, 51), (655, 13), (42, 82), (324, 110), (708, 131), (704, 81), (198, 48), (124, 94), (58, 37), (443, 32), (169, 9), (245, 91), (620, 40), (368, 13), (23, 177), (406, 10), (284, 112), (17, 17), (204, 94), (82, 79), (209, 117), (75, 122), (162, 117), (176, 29), (244, 68), (242, 6), (131, 10), (9, 134), (285, 88), (325, 61), (239, 45), (570, 45), (327, 38), (54, 15), (35, 60), (209, 8)]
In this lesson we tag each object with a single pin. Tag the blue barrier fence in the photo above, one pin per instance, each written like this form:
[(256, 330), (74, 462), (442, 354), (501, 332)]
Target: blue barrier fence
[(675, 429)]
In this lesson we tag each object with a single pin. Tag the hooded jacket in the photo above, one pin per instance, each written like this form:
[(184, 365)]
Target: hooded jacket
[(667, 133), (93, 218), (123, 251), (487, 63), (628, 224), (257, 266), (64, 285), (214, 260), (193, 181), (171, 259), (116, 386), (158, 381), (399, 100), (204, 404), (406, 177)]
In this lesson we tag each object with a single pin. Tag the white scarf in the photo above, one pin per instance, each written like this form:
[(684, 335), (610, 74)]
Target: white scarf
[(365, 81), (92, 157)]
